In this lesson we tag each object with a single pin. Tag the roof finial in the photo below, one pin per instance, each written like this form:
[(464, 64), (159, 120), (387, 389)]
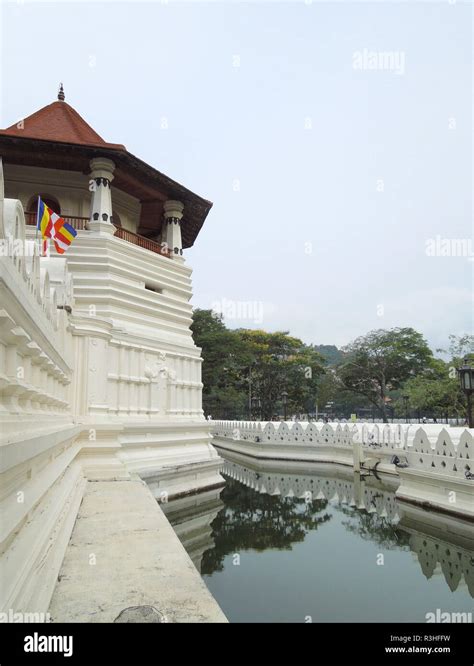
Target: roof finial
[(61, 95)]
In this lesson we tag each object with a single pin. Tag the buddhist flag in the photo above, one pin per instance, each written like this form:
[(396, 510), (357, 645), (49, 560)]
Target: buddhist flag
[(63, 235), (51, 225), (44, 223)]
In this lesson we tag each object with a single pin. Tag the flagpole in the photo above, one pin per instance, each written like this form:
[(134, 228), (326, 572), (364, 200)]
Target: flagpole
[(37, 222)]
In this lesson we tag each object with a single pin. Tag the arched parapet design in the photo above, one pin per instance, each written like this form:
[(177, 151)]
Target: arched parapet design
[(60, 279), (356, 434), (24, 254), (451, 569), (327, 435), (338, 435), (374, 435), (426, 553), (436, 555), (283, 433), (364, 434), (386, 435), (410, 432), (444, 456), (421, 442), (450, 456), (269, 432), (399, 437), (445, 445), (14, 233), (32, 269), (313, 434), (346, 436), (297, 433), (465, 449)]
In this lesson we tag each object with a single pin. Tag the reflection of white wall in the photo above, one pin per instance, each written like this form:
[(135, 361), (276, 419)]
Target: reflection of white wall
[(436, 554), (191, 518)]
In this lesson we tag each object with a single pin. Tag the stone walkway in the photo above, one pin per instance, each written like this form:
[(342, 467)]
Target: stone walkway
[(124, 559)]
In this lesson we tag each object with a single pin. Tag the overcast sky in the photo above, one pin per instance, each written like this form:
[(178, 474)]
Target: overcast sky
[(330, 166)]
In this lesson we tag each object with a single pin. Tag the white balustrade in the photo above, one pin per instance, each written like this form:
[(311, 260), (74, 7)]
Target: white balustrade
[(431, 448)]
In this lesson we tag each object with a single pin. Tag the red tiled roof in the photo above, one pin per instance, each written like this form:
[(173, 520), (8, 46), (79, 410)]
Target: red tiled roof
[(57, 137), (58, 122)]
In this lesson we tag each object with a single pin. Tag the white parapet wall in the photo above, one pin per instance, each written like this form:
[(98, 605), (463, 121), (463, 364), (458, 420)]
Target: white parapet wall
[(434, 465), (41, 482)]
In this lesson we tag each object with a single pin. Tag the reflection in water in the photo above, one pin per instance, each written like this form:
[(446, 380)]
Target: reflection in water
[(253, 521), (310, 545), (192, 517)]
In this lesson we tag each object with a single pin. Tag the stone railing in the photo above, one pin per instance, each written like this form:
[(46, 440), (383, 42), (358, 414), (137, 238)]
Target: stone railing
[(311, 435), (142, 241), (425, 447)]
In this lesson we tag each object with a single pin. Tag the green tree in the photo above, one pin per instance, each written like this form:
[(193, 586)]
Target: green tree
[(224, 356), (435, 391), (344, 402), (461, 345), (381, 362), (280, 362)]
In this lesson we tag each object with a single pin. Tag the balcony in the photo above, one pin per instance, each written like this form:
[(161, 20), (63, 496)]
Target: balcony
[(141, 241), (81, 223)]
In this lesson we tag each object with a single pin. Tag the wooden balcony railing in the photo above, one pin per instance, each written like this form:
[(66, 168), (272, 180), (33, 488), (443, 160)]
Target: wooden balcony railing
[(79, 223), (146, 243)]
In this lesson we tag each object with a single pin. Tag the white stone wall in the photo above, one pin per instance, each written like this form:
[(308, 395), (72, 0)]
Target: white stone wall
[(40, 480), (108, 388), (436, 464)]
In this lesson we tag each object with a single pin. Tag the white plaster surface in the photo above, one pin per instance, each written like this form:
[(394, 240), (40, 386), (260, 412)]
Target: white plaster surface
[(139, 561)]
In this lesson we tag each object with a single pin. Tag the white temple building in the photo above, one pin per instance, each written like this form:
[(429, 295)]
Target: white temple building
[(100, 378)]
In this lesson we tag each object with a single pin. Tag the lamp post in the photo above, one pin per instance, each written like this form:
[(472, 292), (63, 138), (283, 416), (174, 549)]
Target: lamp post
[(256, 404), (284, 397), (406, 398), (466, 379)]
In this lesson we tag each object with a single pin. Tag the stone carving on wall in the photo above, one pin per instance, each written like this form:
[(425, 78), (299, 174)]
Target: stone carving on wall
[(160, 377)]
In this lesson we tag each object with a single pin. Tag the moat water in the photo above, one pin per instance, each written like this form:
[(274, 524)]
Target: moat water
[(324, 545)]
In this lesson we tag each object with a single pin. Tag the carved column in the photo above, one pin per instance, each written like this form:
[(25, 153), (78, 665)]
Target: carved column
[(102, 174), (171, 233)]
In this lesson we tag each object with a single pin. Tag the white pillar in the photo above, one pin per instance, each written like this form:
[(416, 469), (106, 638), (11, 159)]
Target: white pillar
[(171, 233), (102, 174)]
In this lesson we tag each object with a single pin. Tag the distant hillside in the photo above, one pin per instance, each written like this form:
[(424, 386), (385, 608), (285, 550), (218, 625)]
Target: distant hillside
[(330, 353)]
